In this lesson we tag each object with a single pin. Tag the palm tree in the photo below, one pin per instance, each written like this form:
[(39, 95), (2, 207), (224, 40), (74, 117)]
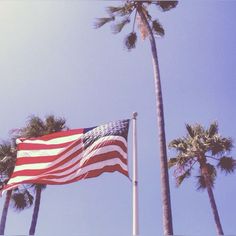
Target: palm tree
[(37, 127), (7, 161), (121, 16), (21, 198), (208, 150)]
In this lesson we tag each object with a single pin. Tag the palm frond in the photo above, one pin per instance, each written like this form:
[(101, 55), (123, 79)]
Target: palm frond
[(190, 130), (179, 144), (7, 160), (53, 124), (37, 127), (158, 28), (7, 166), (34, 128), (167, 5), (199, 145), (211, 171), (130, 41), (201, 183), (181, 178), (5, 149), (213, 129), (198, 130), (112, 10), (102, 21), (219, 145), (29, 198), (185, 161), (18, 201), (227, 144), (226, 164), (172, 162), (124, 10), (22, 199), (175, 143), (117, 28)]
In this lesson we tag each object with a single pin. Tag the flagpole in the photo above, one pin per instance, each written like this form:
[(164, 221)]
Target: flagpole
[(135, 178)]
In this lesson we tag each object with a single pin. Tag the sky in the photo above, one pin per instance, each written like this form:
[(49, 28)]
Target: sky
[(53, 61)]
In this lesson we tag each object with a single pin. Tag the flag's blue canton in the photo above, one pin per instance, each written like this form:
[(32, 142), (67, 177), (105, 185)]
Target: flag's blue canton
[(117, 128)]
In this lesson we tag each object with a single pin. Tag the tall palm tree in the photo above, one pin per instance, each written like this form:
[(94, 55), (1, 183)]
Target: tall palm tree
[(37, 127), (20, 197), (138, 11), (208, 150)]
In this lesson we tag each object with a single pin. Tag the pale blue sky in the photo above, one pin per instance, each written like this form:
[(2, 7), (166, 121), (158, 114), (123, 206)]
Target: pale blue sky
[(53, 61)]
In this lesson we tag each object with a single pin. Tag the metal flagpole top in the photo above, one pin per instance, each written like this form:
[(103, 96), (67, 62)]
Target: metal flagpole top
[(135, 114)]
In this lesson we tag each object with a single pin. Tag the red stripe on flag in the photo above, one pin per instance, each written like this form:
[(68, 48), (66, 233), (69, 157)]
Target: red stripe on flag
[(33, 146), (34, 160), (56, 135)]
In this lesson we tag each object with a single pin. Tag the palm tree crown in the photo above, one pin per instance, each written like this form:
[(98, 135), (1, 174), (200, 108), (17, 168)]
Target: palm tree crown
[(120, 16), (7, 160), (36, 127), (207, 149), (201, 146)]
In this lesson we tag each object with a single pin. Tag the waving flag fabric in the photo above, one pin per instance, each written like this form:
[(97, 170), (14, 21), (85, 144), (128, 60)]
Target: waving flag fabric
[(69, 156)]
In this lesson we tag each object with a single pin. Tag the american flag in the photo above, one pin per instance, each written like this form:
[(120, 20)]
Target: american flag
[(69, 156)]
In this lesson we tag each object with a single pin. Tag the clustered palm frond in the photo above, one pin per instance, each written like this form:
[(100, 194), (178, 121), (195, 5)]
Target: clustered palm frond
[(120, 16), (7, 161), (37, 127), (22, 199), (203, 147)]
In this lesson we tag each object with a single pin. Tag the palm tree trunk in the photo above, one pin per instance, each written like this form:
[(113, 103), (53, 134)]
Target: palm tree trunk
[(36, 210), (166, 202), (4, 212), (215, 211), (212, 201)]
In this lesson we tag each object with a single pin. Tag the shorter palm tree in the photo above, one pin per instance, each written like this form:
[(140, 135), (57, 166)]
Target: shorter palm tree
[(20, 197), (7, 162), (37, 127), (206, 149)]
